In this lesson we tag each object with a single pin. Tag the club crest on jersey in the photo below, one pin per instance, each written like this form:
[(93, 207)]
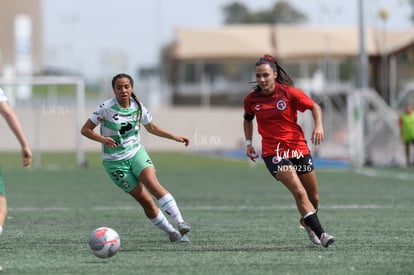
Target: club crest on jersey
[(125, 184), (281, 105)]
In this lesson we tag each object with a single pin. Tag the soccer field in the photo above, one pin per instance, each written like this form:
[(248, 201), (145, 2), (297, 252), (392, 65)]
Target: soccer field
[(243, 222)]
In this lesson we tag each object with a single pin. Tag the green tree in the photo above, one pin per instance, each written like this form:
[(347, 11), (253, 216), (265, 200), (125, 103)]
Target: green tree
[(281, 12), (236, 13)]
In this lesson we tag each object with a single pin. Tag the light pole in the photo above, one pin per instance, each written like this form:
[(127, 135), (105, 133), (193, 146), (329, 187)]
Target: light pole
[(363, 58), (356, 102), (384, 15), (69, 21)]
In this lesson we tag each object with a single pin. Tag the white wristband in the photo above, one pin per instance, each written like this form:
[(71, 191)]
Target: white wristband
[(248, 142)]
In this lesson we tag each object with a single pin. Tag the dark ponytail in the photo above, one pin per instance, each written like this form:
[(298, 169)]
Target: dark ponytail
[(134, 97)]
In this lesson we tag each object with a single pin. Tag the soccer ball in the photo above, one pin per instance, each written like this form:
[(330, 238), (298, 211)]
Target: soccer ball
[(104, 242)]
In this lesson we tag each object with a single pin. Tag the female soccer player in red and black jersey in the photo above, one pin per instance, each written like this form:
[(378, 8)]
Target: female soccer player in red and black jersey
[(275, 103)]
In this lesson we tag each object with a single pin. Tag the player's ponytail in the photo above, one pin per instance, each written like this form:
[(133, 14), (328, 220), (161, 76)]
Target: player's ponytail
[(135, 98)]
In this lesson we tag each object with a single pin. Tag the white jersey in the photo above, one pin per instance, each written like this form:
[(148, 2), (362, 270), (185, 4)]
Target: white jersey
[(3, 97), (122, 125)]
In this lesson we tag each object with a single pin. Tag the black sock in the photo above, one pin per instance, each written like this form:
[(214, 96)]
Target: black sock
[(313, 222)]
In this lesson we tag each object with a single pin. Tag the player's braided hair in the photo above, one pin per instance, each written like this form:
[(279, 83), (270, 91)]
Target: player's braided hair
[(134, 97), (282, 76)]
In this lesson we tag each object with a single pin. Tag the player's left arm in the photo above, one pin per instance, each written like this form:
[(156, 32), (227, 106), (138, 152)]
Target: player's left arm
[(158, 131), (303, 102), (318, 133)]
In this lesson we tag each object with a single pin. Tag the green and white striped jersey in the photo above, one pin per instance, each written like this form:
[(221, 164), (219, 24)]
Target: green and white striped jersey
[(3, 97), (122, 125)]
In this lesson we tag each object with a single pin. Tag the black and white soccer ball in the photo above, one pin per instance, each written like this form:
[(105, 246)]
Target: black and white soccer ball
[(104, 242)]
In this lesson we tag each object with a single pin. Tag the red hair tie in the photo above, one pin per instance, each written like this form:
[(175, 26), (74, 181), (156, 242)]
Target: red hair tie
[(269, 57)]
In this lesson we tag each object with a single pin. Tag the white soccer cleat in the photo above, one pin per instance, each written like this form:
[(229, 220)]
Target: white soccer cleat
[(174, 236), (326, 239), (184, 227), (184, 239), (311, 235)]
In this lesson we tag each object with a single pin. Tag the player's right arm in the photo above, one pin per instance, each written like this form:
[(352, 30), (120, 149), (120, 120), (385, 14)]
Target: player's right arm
[(88, 131), (248, 129), (248, 135), (17, 129)]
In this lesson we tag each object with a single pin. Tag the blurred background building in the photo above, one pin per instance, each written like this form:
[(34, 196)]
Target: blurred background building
[(21, 37)]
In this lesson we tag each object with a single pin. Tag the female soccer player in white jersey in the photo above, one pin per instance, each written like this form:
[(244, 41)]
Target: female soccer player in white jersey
[(125, 159), (17, 129)]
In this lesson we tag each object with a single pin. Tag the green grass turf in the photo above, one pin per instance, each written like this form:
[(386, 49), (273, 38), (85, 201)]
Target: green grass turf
[(243, 222)]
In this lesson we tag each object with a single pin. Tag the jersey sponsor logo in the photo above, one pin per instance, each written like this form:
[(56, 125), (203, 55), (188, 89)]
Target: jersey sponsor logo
[(129, 117), (125, 128), (281, 105)]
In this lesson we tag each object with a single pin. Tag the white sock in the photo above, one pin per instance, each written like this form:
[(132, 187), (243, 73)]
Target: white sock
[(1, 229), (162, 223), (169, 205)]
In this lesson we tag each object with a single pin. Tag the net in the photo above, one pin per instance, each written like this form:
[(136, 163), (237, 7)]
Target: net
[(51, 111)]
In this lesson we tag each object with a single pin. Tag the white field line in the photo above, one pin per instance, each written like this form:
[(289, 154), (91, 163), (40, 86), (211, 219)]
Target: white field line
[(377, 173), (203, 208)]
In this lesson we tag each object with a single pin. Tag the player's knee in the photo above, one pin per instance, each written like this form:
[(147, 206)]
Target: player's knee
[(300, 194)]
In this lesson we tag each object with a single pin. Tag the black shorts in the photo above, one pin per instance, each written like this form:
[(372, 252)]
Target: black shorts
[(301, 165)]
